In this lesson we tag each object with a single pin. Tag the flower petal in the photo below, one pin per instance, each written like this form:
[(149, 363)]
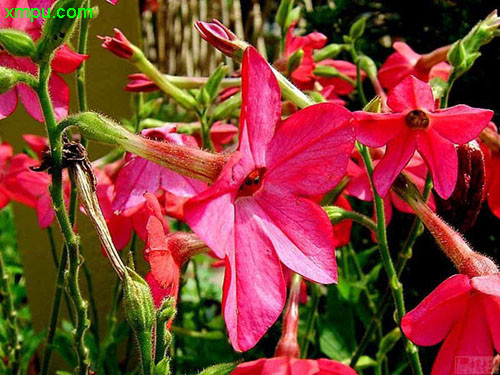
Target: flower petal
[(489, 284), (30, 102), (261, 106), (66, 60), (250, 368), (468, 340), (432, 319), (399, 151), (411, 93), (491, 306), (296, 157), (377, 129), (441, 158), (329, 367), (301, 234), (461, 123), (256, 293), (8, 103)]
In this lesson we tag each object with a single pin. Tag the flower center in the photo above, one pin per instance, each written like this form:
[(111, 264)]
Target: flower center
[(252, 183), (417, 119)]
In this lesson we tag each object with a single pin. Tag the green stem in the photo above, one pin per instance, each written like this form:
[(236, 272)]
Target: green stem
[(81, 71), (71, 240), (337, 214), (304, 345), (54, 315), (10, 315), (394, 283)]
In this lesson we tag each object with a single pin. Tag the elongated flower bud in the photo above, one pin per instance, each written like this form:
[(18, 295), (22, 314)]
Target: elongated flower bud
[(452, 243), (221, 38), (188, 161), (17, 42), (288, 346)]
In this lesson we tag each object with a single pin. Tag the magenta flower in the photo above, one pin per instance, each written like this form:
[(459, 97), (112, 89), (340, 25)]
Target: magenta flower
[(65, 62), (293, 366), (259, 213), (139, 176), (118, 44), (17, 181), (416, 124), (490, 144), (406, 62), (218, 35), (463, 311)]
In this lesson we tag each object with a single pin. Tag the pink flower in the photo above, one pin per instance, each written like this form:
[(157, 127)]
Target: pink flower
[(463, 311), (17, 181), (65, 62), (219, 36), (490, 144), (139, 176), (340, 86), (405, 62), (416, 124), (118, 45), (293, 366), (258, 213)]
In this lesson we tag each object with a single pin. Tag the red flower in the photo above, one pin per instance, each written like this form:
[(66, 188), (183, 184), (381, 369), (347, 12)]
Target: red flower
[(293, 366), (64, 62), (340, 86), (406, 62), (259, 212), (490, 144), (17, 181), (416, 124), (118, 44), (462, 311)]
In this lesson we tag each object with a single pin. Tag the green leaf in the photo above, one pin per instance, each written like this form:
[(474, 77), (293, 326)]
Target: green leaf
[(210, 89)]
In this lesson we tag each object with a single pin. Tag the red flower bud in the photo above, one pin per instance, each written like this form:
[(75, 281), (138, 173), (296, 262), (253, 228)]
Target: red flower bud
[(462, 208), (118, 44), (221, 37)]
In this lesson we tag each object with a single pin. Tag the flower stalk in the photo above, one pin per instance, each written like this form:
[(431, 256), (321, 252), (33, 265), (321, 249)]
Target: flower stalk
[(288, 345)]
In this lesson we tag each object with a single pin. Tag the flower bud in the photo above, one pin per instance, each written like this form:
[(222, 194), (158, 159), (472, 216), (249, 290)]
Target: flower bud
[(326, 71), (357, 29), (463, 206), (17, 42), (451, 243), (457, 55), (163, 367), (220, 369), (221, 38), (8, 79), (328, 52), (118, 44), (56, 31), (368, 65)]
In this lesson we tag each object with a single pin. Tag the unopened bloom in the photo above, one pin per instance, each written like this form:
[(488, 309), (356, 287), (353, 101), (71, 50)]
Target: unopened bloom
[(118, 44), (413, 124), (65, 61), (219, 36), (406, 62), (166, 253), (258, 213), (463, 312)]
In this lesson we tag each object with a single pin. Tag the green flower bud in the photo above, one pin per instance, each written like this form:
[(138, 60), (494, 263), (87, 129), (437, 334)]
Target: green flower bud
[(221, 369), (17, 42), (139, 305), (295, 60), (368, 65), (163, 367), (328, 52), (457, 55), (326, 71), (167, 310), (335, 214), (56, 31), (8, 79), (357, 29)]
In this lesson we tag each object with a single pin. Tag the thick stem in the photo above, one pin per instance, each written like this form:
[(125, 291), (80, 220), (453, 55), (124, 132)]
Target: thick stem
[(288, 346), (71, 240)]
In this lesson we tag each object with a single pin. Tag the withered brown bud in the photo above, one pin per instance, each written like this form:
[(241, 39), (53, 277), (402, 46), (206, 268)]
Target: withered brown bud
[(463, 206)]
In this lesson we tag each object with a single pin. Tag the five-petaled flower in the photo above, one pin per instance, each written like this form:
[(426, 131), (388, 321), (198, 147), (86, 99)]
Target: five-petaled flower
[(258, 213), (416, 124), (463, 311), (65, 61)]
